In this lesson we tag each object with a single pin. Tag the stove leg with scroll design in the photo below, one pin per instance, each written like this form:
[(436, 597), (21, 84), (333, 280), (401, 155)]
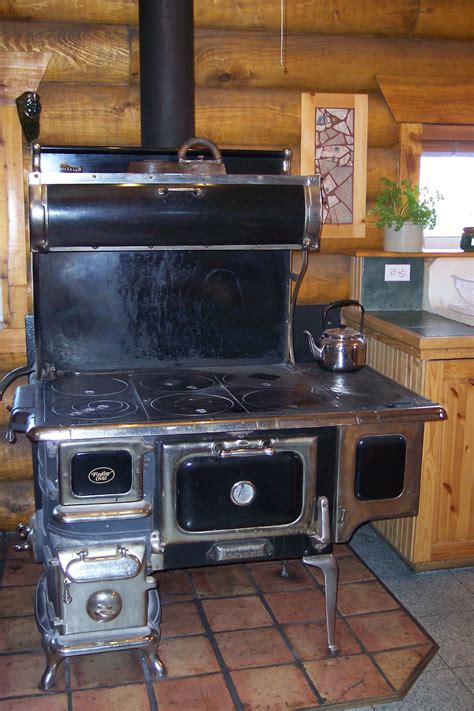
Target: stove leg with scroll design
[(150, 651), (328, 565), (53, 660)]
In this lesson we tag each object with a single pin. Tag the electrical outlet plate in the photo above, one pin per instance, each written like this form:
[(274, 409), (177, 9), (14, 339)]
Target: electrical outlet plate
[(397, 272)]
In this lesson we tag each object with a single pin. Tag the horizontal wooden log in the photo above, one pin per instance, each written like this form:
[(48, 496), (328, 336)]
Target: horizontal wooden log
[(446, 18), (233, 59), (83, 53), (443, 18), (99, 114), (94, 114), (331, 63), (16, 503), (120, 12)]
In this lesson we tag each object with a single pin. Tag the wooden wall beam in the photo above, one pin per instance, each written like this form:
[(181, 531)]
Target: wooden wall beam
[(82, 53), (98, 114), (430, 99), (430, 18), (236, 59), (317, 63)]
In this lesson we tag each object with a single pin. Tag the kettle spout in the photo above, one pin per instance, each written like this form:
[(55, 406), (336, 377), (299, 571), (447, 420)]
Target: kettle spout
[(316, 352)]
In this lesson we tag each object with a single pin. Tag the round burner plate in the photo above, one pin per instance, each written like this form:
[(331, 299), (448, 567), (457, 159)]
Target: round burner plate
[(95, 409), (192, 404), (278, 398), (176, 382), (252, 380), (89, 385)]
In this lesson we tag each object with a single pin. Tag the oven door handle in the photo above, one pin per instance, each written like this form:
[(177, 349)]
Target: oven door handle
[(225, 452)]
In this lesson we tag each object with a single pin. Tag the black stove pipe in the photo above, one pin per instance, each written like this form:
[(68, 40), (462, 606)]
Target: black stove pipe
[(166, 72)]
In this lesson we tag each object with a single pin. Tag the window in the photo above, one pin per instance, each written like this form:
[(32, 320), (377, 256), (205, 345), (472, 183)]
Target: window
[(447, 167)]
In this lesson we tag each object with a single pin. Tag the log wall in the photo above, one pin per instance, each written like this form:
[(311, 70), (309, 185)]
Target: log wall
[(244, 97)]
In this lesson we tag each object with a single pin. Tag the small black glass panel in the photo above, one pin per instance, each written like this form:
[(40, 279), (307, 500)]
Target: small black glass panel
[(239, 492), (101, 473), (380, 467)]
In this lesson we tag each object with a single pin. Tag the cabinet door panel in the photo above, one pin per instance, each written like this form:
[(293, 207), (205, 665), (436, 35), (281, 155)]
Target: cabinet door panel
[(453, 520)]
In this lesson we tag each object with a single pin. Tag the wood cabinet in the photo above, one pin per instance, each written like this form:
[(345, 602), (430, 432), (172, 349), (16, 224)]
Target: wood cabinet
[(441, 369)]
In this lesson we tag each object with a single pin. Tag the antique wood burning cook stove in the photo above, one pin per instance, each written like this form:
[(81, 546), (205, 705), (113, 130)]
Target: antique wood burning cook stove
[(170, 424)]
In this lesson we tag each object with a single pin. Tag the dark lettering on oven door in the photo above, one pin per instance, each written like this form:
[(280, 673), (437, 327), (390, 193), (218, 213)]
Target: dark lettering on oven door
[(204, 491), (101, 473), (380, 467)]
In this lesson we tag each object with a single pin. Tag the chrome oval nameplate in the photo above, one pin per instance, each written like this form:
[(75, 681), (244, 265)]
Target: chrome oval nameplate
[(81, 570)]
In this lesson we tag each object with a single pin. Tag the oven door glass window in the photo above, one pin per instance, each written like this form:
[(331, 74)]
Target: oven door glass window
[(239, 492)]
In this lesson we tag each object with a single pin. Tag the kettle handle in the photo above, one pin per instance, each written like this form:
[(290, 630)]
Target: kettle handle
[(195, 143), (345, 302)]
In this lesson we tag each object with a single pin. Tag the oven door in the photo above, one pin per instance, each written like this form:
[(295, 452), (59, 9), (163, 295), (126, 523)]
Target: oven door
[(241, 489)]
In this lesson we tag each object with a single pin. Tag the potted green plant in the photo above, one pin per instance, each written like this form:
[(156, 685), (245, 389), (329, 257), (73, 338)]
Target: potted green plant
[(403, 211)]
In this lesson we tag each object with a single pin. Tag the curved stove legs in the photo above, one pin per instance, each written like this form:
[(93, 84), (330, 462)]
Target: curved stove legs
[(53, 660), (150, 651), (328, 565)]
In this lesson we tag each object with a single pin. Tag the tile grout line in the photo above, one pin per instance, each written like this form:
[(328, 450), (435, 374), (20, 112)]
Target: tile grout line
[(67, 677), (149, 678), (299, 664), (210, 634)]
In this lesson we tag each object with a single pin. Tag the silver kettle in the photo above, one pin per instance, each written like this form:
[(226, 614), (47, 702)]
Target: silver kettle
[(340, 349)]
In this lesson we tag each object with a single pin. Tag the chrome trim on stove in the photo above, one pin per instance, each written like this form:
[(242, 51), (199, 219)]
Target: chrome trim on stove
[(67, 450), (199, 180), (240, 550), (105, 512), (312, 229), (121, 564), (336, 416), (322, 534), (244, 449), (174, 454)]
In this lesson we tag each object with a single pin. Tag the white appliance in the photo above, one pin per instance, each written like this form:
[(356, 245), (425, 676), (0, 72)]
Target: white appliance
[(448, 288)]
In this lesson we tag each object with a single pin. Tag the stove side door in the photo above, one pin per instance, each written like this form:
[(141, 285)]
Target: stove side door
[(378, 474)]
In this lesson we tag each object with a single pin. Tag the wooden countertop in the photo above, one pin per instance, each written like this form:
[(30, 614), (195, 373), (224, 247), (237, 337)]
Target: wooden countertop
[(421, 333), (448, 253)]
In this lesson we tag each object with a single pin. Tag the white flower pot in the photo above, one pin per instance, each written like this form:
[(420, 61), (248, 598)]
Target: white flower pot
[(408, 239)]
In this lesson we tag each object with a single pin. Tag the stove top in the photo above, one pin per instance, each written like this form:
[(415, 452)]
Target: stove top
[(169, 394), (211, 394)]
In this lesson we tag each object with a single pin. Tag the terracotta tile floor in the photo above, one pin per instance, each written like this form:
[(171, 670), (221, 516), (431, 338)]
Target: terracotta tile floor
[(233, 637)]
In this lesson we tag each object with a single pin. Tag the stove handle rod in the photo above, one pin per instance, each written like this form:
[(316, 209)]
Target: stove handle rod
[(244, 452)]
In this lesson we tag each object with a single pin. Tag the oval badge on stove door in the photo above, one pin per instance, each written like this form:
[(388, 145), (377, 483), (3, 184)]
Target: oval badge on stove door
[(101, 475)]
